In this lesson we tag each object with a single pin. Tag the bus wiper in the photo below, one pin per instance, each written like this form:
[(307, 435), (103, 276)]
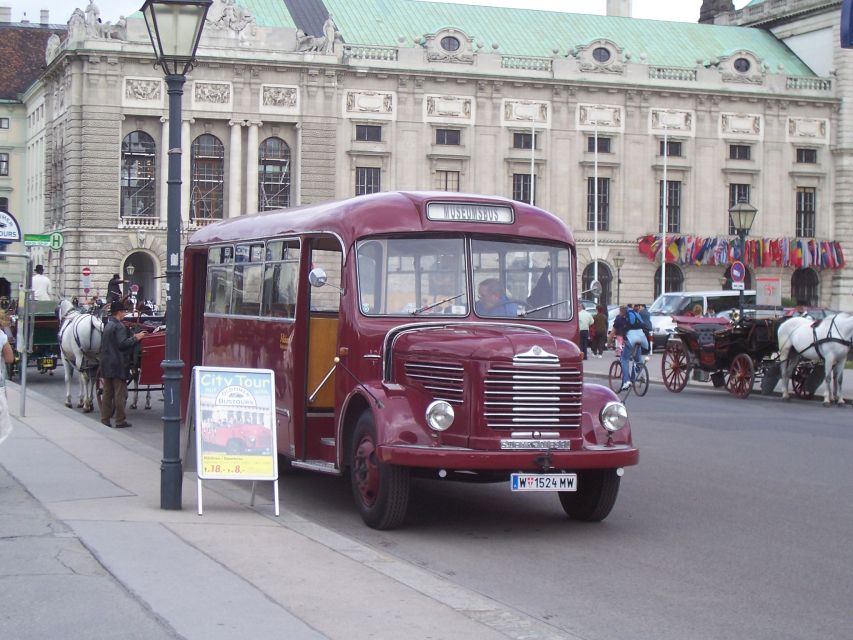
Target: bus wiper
[(523, 312), (435, 304)]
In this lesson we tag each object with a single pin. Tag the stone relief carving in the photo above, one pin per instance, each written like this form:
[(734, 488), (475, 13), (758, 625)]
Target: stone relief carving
[(370, 102), (669, 120), (232, 19), (52, 48), (448, 106), (741, 123), (143, 89), (808, 128), (212, 92), (526, 111), (590, 115), (449, 45), (283, 97)]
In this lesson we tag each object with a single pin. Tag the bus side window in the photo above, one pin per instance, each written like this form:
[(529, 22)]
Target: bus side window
[(219, 284), (328, 298), (280, 290)]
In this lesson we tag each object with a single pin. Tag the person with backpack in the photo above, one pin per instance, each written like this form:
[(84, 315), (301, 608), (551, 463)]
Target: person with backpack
[(635, 340)]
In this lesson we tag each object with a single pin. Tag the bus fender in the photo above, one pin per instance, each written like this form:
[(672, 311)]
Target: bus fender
[(595, 396)]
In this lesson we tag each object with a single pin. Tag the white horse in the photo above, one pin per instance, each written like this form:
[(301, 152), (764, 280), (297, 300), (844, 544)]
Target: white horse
[(80, 341), (828, 340)]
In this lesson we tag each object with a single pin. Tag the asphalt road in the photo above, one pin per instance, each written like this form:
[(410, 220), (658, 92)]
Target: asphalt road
[(734, 525)]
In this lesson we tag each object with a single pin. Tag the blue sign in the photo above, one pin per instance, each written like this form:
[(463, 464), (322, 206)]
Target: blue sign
[(738, 271), (847, 24)]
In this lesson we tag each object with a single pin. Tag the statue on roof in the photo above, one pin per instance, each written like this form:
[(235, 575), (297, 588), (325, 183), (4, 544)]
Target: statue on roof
[(52, 48), (330, 32), (77, 26), (117, 31), (712, 8), (93, 20), (234, 19)]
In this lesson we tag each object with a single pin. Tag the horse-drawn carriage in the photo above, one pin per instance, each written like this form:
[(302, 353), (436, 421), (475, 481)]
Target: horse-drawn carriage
[(43, 349), (729, 355)]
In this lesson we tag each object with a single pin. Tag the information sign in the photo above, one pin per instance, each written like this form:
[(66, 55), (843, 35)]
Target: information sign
[(86, 271), (738, 286), (738, 273), (234, 416)]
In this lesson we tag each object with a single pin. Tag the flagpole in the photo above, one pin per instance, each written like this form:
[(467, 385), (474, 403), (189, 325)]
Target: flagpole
[(595, 203), (664, 212), (532, 160)]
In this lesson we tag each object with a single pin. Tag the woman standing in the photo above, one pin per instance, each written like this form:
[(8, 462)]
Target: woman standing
[(599, 331)]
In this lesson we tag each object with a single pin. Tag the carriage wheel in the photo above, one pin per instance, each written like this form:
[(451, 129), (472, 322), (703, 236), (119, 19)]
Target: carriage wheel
[(615, 375), (741, 376), (800, 380), (674, 367)]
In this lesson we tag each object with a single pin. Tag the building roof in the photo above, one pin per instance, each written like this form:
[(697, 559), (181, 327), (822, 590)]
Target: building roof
[(22, 48), (527, 32)]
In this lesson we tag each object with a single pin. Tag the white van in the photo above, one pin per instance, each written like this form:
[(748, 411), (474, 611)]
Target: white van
[(679, 303)]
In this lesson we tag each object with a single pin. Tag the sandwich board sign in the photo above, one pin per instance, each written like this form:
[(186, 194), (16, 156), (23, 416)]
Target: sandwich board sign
[(233, 412)]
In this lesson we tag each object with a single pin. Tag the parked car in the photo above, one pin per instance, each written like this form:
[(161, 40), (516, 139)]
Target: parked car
[(817, 313)]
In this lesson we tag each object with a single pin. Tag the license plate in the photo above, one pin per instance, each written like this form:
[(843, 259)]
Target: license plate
[(48, 363), (544, 482)]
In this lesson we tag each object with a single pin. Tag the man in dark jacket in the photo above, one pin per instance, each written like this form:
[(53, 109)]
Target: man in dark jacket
[(117, 342), (114, 288)]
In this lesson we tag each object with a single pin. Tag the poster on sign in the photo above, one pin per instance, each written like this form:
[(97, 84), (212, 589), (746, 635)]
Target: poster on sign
[(234, 417), (768, 291)]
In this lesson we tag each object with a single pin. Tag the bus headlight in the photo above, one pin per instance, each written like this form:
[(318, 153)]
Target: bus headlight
[(439, 415), (614, 416)]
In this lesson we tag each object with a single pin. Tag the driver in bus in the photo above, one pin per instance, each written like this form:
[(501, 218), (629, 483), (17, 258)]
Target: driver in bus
[(493, 301)]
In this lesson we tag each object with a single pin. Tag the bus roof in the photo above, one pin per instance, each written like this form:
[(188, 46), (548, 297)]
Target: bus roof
[(380, 213)]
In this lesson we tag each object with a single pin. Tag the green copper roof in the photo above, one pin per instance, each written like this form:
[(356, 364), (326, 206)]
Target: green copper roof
[(528, 32), (268, 13)]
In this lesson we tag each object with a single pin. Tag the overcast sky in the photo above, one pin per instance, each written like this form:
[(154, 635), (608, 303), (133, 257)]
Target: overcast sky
[(680, 10)]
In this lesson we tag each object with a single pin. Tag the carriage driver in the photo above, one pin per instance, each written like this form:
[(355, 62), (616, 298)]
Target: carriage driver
[(116, 345)]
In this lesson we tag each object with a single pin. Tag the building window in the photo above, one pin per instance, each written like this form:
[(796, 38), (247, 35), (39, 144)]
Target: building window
[(603, 213), (601, 54), (673, 148), (273, 174), (742, 65), (449, 43), (807, 156), (521, 188), (138, 185), (4, 204), (447, 180), (673, 205), (367, 180), (674, 279), (368, 133), (605, 277), (4, 123), (804, 286), (806, 212), (522, 140), (737, 192), (603, 144), (448, 136), (4, 164), (740, 152), (207, 182)]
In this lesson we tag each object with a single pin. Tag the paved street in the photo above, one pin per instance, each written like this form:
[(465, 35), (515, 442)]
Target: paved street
[(728, 528)]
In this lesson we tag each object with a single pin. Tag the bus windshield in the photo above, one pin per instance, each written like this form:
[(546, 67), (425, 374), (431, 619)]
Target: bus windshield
[(428, 276)]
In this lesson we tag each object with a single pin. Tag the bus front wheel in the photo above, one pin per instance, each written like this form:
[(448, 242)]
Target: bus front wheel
[(595, 496), (381, 491)]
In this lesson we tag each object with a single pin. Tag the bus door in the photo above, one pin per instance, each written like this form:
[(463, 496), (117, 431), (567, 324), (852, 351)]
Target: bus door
[(321, 347)]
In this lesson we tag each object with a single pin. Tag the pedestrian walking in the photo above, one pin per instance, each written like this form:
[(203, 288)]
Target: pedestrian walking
[(584, 323), (42, 286), (117, 343), (599, 330), (8, 357)]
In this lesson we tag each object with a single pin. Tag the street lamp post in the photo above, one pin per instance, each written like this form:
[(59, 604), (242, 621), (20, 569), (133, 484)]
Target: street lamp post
[(174, 27), (742, 215), (618, 260), (130, 270)]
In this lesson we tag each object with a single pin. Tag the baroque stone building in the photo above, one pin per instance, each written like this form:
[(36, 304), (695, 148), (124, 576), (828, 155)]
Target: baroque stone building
[(586, 115)]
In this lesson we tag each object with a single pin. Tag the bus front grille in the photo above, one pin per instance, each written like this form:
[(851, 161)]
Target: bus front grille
[(525, 397)]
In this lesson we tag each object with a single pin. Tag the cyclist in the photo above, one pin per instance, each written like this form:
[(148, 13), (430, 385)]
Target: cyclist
[(635, 342)]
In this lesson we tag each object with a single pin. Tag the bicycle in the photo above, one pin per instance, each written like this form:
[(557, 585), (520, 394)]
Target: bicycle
[(639, 374)]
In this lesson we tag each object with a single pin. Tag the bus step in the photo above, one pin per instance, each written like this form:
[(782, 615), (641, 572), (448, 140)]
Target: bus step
[(317, 465)]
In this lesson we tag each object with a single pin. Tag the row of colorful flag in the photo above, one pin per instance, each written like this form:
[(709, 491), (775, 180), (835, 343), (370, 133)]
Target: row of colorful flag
[(757, 252)]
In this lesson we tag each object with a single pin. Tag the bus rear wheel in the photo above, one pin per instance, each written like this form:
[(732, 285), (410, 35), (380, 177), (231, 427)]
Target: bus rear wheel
[(381, 491), (595, 495)]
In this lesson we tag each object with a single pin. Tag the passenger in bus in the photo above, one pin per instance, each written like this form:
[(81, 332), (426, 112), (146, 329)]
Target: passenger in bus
[(493, 301)]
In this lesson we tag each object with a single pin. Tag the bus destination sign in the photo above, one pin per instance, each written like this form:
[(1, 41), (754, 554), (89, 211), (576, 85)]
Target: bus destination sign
[(464, 212)]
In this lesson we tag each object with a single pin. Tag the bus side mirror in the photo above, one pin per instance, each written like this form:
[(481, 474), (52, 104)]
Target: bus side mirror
[(317, 277)]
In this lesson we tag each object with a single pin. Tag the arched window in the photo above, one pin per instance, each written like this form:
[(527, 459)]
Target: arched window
[(273, 174), (747, 280), (138, 187), (674, 279), (804, 286), (605, 277), (208, 171)]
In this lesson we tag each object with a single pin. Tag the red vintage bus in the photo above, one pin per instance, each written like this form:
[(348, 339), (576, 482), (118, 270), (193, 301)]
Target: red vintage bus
[(412, 333)]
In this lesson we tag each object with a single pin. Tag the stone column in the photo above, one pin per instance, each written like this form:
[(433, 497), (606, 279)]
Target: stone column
[(252, 168), (842, 280), (186, 175), (164, 170), (235, 155)]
